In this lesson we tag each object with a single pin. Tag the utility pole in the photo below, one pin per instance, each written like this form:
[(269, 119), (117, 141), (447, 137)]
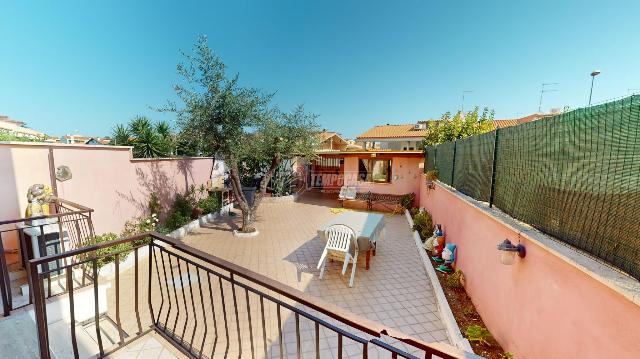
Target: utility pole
[(544, 89)]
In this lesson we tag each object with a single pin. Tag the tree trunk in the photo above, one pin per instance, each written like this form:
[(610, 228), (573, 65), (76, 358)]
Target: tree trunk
[(248, 212), (248, 220)]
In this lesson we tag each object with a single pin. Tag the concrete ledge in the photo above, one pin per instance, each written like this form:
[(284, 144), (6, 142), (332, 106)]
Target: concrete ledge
[(108, 270), (239, 234), (446, 315), (283, 199), (620, 282)]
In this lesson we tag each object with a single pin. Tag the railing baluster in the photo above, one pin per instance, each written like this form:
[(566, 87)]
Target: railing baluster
[(280, 333), (317, 340), (264, 327), (72, 313), (136, 294), (365, 350), (224, 315), (157, 318), (118, 322), (235, 308), (5, 282), (166, 280), (96, 306), (298, 346), (204, 312), (339, 345), (175, 294), (246, 294), (193, 307), (149, 278), (213, 311), (40, 307), (184, 301)]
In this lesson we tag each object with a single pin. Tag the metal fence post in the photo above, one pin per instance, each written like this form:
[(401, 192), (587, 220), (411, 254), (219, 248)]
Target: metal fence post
[(493, 168), (453, 163)]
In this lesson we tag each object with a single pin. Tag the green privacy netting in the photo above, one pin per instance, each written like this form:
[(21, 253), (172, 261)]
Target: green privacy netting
[(575, 176)]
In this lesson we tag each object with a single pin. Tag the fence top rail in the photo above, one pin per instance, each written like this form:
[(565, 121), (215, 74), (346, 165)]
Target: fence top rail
[(331, 310), (77, 209)]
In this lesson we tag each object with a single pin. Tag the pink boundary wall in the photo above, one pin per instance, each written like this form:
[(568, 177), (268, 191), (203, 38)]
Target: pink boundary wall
[(541, 306), (105, 178)]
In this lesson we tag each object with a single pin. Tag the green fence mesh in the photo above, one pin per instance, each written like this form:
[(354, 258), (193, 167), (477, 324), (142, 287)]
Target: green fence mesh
[(575, 176), (473, 166), (429, 159), (444, 162)]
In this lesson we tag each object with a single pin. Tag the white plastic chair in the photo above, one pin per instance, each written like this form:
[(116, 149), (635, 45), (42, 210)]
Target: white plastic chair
[(339, 238), (343, 193), (350, 193)]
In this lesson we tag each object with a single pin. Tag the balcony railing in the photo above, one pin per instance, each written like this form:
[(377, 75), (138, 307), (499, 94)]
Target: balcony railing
[(204, 306), (69, 226)]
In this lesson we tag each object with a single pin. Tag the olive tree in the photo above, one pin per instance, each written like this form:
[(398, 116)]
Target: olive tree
[(239, 124), (460, 126)]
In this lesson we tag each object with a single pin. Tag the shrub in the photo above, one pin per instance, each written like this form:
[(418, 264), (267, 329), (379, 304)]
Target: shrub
[(407, 200), (423, 224), (477, 333), (182, 206), (154, 204), (431, 175), (455, 280), (108, 254), (140, 225), (175, 221), (210, 204)]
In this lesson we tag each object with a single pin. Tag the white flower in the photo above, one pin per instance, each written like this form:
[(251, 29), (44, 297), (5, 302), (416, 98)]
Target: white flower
[(148, 221), (154, 215)]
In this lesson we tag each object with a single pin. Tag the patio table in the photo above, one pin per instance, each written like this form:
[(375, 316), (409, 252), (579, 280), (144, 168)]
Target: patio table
[(369, 228)]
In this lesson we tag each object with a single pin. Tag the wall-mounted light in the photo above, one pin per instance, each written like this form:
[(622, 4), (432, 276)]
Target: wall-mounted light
[(508, 252)]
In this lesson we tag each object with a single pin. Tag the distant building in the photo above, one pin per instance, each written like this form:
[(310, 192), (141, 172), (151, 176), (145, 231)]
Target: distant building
[(408, 137), (84, 140), (332, 141), (19, 129)]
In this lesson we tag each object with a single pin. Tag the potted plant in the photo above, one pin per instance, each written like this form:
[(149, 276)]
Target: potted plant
[(431, 177)]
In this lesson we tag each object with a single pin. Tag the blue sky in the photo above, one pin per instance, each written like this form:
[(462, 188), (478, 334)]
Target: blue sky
[(83, 66)]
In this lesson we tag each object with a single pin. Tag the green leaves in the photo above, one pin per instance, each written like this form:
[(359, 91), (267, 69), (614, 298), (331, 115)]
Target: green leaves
[(458, 127), (476, 333), (148, 140)]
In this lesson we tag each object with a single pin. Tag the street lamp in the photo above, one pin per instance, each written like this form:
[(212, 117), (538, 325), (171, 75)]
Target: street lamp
[(594, 73)]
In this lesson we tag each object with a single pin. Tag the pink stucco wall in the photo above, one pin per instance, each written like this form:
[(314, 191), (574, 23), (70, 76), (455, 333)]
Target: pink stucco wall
[(405, 168), (542, 306), (105, 178)]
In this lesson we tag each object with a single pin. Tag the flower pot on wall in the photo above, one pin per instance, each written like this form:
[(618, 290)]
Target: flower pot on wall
[(249, 193)]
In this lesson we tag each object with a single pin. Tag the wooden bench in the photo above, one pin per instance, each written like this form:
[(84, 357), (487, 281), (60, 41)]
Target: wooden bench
[(392, 202)]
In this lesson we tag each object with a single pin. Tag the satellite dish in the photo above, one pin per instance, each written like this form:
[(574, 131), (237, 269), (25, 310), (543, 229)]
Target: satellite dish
[(63, 173)]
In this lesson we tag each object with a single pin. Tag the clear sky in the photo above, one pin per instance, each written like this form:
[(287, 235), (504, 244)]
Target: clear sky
[(83, 66)]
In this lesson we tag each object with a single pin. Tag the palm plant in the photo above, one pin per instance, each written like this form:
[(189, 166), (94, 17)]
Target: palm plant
[(148, 141), (121, 136), (147, 144)]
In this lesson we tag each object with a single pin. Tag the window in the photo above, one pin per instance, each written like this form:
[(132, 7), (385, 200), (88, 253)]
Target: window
[(371, 170)]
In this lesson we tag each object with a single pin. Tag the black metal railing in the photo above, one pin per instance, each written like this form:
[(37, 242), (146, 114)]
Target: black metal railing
[(68, 226), (204, 306)]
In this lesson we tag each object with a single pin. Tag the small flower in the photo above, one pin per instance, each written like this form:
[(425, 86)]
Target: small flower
[(148, 221)]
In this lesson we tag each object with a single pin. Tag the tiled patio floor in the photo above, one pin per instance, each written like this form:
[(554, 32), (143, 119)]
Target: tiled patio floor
[(395, 291)]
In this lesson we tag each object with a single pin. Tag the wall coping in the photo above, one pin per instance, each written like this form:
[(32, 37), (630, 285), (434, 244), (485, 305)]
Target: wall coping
[(446, 315), (96, 147), (618, 281), (64, 145)]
